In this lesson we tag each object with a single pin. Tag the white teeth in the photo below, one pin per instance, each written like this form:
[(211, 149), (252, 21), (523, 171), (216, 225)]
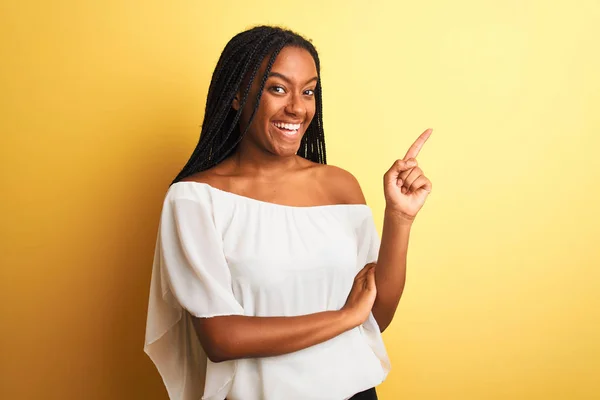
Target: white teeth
[(289, 127)]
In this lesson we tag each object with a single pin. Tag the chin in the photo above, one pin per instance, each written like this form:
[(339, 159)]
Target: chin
[(286, 152), (285, 148)]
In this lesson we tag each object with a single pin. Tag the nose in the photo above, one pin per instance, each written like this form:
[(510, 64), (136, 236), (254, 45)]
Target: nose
[(296, 106)]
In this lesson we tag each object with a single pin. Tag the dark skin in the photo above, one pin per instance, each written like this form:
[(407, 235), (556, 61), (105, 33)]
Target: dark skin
[(265, 167)]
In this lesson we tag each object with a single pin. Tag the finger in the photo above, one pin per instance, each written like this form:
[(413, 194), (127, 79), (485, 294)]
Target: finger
[(361, 274), (407, 172), (371, 280), (397, 168), (363, 271), (412, 176), (365, 281), (421, 183), (370, 271), (413, 151)]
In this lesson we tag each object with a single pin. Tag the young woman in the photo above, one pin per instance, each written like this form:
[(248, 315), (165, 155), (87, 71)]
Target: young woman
[(269, 278)]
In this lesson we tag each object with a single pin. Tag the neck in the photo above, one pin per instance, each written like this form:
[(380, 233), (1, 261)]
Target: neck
[(248, 160)]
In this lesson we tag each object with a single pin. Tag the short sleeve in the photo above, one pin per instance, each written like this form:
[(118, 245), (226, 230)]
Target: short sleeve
[(368, 252), (368, 241), (190, 277)]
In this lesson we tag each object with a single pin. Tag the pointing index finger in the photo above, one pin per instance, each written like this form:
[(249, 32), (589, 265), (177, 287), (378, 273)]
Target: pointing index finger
[(413, 151)]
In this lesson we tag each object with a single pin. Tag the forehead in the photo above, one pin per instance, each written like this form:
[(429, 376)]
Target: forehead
[(295, 63)]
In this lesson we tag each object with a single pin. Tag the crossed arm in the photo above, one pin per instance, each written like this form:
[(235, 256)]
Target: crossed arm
[(233, 337), (405, 188)]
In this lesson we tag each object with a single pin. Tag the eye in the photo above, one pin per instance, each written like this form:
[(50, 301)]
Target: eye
[(309, 92), (277, 89)]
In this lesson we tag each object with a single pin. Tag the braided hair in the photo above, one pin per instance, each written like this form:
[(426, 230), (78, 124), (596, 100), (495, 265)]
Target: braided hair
[(240, 61)]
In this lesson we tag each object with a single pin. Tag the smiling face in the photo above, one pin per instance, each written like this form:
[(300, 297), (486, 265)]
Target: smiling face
[(286, 107)]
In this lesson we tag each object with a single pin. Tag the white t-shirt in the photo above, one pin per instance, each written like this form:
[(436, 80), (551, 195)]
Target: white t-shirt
[(219, 253)]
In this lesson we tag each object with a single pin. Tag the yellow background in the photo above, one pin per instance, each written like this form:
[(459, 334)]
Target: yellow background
[(101, 104)]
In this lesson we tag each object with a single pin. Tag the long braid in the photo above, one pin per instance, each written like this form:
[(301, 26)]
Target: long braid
[(258, 96), (227, 77), (239, 62), (256, 65), (245, 97)]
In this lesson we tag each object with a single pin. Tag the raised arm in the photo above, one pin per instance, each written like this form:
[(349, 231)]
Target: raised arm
[(406, 188)]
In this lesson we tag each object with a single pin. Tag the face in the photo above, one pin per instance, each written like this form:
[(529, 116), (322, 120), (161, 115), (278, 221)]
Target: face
[(286, 107)]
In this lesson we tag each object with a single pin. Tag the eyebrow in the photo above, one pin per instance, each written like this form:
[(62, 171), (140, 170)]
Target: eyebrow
[(288, 80)]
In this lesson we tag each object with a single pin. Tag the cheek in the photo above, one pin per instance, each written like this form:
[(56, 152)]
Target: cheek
[(247, 114), (311, 110), (266, 109)]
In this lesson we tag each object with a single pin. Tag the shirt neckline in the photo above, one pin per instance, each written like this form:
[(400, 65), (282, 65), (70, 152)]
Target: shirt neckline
[(257, 201)]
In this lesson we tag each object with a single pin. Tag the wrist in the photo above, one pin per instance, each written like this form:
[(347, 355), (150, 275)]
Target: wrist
[(398, 217), (348, 319)]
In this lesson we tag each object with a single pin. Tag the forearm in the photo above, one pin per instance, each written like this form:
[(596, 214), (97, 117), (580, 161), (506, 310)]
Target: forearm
[(390, 273), (234, 337)]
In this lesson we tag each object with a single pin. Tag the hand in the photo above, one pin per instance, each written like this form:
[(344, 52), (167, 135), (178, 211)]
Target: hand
[(362, 296), (405, 186)]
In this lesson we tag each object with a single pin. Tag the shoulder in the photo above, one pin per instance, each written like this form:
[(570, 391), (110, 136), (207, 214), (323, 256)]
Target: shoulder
[(341, 184), (215, 177), (196, 192), (207, 176)]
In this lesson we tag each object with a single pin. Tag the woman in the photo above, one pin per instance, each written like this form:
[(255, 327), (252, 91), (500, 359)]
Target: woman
[(264, 283)]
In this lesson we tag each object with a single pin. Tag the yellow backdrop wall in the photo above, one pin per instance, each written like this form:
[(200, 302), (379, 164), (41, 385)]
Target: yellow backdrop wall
[(101, 105)]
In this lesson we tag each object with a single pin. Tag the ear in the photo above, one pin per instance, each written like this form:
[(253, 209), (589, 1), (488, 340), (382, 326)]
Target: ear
[(236, 102)]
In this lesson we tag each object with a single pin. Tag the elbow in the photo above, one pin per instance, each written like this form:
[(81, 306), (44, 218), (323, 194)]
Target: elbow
[(223, 345), (216, 356), (218, 350), (383, 323), (383, 318), (216, 342)]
